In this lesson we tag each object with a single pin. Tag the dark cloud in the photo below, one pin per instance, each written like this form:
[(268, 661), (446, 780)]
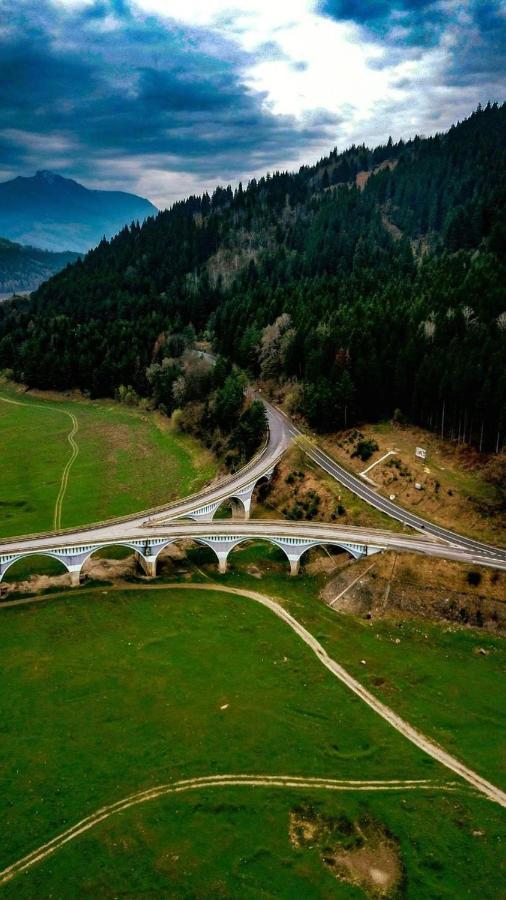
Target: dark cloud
[(407, 28), (115, 86), (398, 22), (480, 55), (104, 93)]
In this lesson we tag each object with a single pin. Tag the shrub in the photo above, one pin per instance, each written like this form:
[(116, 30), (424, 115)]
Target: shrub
[(365, 449), (474, 578)]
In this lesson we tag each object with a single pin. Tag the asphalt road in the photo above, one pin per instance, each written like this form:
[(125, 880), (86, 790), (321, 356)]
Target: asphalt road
[(432, 540), (366, 493), (317, 533), (137, 524)]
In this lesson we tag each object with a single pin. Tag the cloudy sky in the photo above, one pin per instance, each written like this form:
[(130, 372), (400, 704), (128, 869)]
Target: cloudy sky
[(171, 97)]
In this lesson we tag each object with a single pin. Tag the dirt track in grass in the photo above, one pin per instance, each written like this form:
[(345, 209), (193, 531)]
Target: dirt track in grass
[(73, 456), (210, 781), (484, 787)]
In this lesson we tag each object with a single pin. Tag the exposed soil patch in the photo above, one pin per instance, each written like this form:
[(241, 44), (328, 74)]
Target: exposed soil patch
[(362, 853), (35, 584), (421, 587), (362, 177), (317, 564), (374, 868), (110, 569)]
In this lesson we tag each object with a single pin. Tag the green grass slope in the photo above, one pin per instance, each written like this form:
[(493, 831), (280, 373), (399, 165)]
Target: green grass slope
[(127, 460), (434, 675), (109, 692)]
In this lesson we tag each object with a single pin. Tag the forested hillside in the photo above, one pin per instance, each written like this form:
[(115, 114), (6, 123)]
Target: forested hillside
[(371, 282), (24, 268)]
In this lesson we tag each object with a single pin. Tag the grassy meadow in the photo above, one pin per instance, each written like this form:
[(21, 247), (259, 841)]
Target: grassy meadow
[(433, 674), (108, 691), (127, 460)]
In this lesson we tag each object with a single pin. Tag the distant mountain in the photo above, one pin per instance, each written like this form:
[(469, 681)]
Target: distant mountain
[(22, 269), (56, 213)]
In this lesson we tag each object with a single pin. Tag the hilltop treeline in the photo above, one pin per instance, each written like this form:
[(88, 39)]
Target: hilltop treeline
[(371, 282)]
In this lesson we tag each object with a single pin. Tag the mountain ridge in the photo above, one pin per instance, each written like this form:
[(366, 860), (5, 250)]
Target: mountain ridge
[(55, 213)]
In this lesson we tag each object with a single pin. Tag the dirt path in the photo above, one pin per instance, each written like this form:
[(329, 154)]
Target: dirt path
[(210, 781), (408, 731), (416, 737), (65, 477), (74, 453)]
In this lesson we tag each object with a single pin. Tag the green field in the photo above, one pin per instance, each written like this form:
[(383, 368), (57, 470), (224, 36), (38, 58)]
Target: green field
[(127, 460), (107, 692), (432, 674)]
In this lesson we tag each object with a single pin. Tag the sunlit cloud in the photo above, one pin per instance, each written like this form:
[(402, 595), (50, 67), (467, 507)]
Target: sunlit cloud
[(170, 97)]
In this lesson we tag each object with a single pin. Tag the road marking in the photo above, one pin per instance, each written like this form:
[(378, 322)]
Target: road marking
[(389, 453), (74, 452), (211, 781)]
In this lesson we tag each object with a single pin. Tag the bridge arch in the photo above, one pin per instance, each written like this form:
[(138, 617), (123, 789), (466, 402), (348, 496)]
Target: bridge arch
[(327, 546), (223, 549), (194, 539), (355, 552), (237, 506), (38, 554), (88, 558), (125, 544)]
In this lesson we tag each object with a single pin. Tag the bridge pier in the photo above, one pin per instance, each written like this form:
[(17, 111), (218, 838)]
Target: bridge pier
[(147, 564), (75, 576), (294, 566), (222, 561)]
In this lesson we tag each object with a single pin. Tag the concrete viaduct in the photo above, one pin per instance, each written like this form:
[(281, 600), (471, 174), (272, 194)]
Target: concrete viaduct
[(149, 533)]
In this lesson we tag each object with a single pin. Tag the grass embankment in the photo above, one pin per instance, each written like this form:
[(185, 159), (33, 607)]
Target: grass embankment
[(454, 490), (408, 584), (109, 692), (127, 460)]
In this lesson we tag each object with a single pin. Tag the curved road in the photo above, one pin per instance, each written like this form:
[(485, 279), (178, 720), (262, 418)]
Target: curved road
[(366, 493), (433, 540), (277, 442)]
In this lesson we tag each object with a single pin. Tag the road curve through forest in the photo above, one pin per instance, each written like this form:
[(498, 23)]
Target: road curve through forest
[(280, 433), (73, 455)]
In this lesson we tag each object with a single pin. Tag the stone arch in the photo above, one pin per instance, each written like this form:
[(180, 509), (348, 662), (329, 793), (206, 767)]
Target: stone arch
[(43, 554), (230, 547), (237, 505), (124, 545)]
